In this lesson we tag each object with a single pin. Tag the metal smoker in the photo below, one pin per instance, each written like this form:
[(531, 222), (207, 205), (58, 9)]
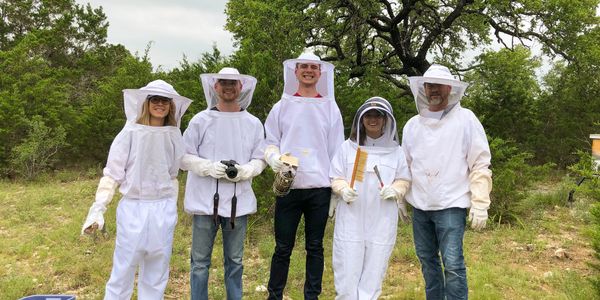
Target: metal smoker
[(285, 177)]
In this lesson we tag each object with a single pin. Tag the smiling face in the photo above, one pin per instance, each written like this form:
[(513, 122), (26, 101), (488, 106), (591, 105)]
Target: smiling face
[(159, 108), (437, 95), (228, 90), (373, 122), (308, 74)]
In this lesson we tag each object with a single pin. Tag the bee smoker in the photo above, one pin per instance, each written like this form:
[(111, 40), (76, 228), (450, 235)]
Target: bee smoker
[(285, 177)]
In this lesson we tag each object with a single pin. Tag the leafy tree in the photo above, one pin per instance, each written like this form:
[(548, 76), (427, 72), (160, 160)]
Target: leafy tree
[(503, 92), (29, 86), (568, 108), (401, 38), (56, 64), (69, 29)]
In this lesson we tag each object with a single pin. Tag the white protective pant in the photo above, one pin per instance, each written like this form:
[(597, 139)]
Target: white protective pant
[(360, 268), (145, 231)]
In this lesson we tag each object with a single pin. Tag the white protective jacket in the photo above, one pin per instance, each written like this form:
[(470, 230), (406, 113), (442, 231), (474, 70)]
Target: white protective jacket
[(365, 230), (216, 136), (144, 159), (441, 153), (310, 129)]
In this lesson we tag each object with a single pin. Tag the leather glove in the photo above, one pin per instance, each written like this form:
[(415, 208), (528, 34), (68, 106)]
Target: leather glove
[(480, 186), (249, 170), (217, 170), (342, 187), (203, 167), (396, 192), (387, 192), (402, 212), (104, 194), (478, 218), (273, 158), (349, 195)]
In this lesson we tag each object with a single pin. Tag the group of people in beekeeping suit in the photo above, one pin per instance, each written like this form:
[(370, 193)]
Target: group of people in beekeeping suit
[(440, 167)]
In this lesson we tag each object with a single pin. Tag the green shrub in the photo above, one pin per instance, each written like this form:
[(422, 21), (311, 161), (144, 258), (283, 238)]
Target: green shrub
[(512, 178), (590, 187), (583, 170), (35, 153)]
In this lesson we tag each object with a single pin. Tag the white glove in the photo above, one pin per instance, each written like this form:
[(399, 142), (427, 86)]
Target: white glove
[(349, 195), (249, 170), (333, 201), (480, 186), (396, 192), (273, 158), (104, 194), (402, 212), (478, 218), (342, 187), (217, 170), (387, 192), (203, 167)]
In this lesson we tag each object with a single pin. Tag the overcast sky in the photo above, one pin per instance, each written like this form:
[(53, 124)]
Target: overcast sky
[(175, 27)]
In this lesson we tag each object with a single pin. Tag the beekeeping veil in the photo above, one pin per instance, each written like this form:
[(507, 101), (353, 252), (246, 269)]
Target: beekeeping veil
[(208, 85), (144, 159), (135, 99), (437, 74), (390, 135), (325, 84)]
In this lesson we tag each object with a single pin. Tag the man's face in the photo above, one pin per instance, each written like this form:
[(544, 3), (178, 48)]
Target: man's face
[(437, 95), (228, 90), (307, 73)]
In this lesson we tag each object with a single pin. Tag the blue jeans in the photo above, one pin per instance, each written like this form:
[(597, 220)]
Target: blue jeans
[(314, 205), (204, 231), (441, 232)]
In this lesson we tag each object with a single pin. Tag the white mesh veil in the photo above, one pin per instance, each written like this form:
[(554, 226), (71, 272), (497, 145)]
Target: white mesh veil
[(440, 75), (325, 85), (209, 80), (390, 135)]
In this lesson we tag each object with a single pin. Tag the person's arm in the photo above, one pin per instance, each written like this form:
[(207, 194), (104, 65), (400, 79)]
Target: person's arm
[(273, 134), (114, 174), (399, 187), (337, 173), (480, 176)]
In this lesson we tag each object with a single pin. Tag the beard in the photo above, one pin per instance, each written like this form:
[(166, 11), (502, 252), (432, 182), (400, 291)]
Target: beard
[(435, 100)]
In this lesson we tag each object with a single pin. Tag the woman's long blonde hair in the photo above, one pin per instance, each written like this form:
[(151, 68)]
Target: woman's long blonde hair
[(169, 119)]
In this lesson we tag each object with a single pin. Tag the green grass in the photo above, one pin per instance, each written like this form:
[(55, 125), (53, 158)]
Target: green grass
[(42, 251)]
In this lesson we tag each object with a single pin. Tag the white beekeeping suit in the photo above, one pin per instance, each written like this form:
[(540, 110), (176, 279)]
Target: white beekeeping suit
[(313, 126), (436, 145), (366, 221), (144, 161), (213, 136)]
